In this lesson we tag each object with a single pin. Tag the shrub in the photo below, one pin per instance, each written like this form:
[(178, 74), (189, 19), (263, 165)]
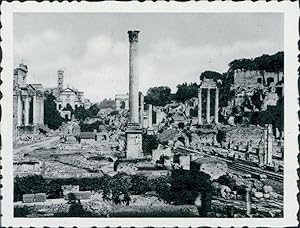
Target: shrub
[(21, 211), (117, 188), (139, 184), (150, 143), (187, 184), (29, 185), (228, 181)]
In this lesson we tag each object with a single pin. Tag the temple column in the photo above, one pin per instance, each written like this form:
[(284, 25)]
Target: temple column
[(42, 110), (35, 110), (150, 116), (142, 110), (26, 114), (39, 109), (20, 109), (208, 106), (200, 106), (217, 106)]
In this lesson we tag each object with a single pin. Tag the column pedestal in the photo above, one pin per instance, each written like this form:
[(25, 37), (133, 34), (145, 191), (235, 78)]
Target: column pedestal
[(134, 141)]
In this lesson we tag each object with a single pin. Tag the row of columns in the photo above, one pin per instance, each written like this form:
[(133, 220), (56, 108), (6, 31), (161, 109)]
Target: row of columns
[(24, 110), (208, 105)]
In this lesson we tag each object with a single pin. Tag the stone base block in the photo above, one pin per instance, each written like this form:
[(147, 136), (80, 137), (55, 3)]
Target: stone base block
[(134, 142)]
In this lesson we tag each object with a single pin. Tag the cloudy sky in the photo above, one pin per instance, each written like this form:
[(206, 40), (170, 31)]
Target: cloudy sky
[(174, 48)]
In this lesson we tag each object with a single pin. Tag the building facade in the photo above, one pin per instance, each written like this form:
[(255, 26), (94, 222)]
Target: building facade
[(28, 100), (67, 96)]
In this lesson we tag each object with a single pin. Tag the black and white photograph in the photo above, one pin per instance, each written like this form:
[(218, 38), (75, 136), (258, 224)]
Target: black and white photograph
[(149, 115)]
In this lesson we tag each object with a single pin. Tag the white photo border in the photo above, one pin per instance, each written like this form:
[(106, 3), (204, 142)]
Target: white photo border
[(291, 15)]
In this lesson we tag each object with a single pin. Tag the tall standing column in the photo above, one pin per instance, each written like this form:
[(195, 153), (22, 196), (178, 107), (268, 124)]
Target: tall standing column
[(133, 77), (35, 110), (150, 116), (217, 106), (208, 106), (26, 114), (142, 110), (134, 132), (39, 110), (42, 110), (200, 105), (20, 109)]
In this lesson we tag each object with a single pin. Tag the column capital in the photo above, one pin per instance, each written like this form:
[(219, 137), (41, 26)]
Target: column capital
[(133, 36)]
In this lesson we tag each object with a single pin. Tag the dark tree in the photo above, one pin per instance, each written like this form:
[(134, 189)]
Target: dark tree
[(93, 111), (269, 63), (150, 143), (186, 91), (52, 117), (211, 75), (107, 103), (186, 186), (117, 188), (158, 96), (29, 185), (81, 113), (139, 184)]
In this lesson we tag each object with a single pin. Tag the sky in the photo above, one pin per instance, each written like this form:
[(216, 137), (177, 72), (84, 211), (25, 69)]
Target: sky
[(92, 48)]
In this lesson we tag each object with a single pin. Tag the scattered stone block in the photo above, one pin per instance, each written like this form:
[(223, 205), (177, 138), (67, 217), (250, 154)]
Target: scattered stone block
[(32, 198), (262, 176), (258, 195), (82, 195), (267, 195), (69, 188), (268, 189), (28, 198)]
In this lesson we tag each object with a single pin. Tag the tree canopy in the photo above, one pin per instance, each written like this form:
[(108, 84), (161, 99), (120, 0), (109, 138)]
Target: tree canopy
[(52, 117), (158, 96), (211, 75), (107, 103), (269, 63), (186, 91)]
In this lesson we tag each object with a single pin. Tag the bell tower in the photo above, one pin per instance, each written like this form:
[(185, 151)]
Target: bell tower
[(60, 81)]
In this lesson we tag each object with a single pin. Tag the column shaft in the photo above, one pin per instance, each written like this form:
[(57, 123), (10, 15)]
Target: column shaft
[(42, 110), (20, 110), (142, 110), (208, 106), (217, 106), (200, 106), (26, 114), (35, 110), (150, 116), (133, 79), (39, 109)]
